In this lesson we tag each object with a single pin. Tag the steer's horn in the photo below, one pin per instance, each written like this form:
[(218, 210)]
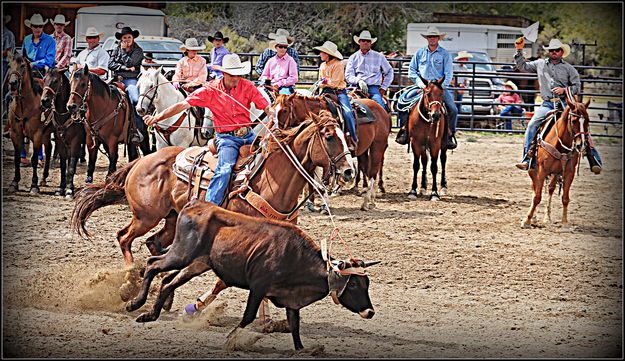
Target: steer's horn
[(367, 264)]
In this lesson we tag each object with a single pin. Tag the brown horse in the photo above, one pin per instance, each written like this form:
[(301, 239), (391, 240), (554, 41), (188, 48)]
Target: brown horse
[(557, 156), (154, 192), (426, 126), (108, 113), (24, 119), (69, 134), (373, 137)]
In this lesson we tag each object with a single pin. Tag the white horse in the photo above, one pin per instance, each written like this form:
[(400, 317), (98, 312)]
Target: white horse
[(155, 90)]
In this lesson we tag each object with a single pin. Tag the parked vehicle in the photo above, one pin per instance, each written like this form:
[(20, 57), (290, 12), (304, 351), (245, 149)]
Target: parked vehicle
[(486, 89), (164, 50)]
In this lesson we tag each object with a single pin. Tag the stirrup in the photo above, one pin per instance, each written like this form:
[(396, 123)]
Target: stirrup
[(402, 136)]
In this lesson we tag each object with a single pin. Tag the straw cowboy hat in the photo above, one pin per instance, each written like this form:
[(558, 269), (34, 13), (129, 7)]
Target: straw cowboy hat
[(127, 30), (218, 36), (91, 31), (557, 44), (282, 32), (330, 48), (231, 64), (463, 54), (36, 19), (191, 44), (433, 31), (280, 40), (365, 35), (511, 85), (59, 19)]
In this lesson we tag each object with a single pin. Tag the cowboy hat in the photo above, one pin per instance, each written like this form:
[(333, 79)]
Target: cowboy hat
[(91, 31), (59, 19), (557, 44), (231, 64), (7, 18), (281, 32), (365, 35), (510, 84), (127, 30), (36, 19), (218, 36), (433, 31), (191, 44), (463, 54), (280, 40), (330, 48)]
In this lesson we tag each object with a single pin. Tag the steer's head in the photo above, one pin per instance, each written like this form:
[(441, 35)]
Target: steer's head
[(349, 286)]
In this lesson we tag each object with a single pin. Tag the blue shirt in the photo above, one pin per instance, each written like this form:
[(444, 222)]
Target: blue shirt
[(431, 65), (269, 53), (41, 54), (217, 56), (370, 68)]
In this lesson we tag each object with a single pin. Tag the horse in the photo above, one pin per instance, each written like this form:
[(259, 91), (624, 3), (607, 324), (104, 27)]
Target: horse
[(557, 156), (373, 137), (109, 117), (69, 133), (24, 119), (426, 126), (154, 192), (178, 130)]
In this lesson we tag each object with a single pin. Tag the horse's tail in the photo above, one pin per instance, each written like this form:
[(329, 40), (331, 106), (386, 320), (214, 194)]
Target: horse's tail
[(96, 196)]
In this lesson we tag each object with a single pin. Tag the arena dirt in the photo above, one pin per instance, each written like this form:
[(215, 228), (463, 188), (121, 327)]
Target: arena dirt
[(459, 277)]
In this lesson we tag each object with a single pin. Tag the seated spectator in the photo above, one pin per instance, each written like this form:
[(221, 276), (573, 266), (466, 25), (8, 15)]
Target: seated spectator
[(217, 53), (508, 97), (281, 70)]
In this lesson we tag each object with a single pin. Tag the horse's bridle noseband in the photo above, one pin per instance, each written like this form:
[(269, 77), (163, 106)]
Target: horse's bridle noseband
[(332, 161), (155, 87)]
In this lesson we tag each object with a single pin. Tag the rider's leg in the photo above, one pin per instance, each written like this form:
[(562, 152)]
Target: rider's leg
[(285, 90), (402, 134), (452, 114), (530, 132), (133, 94), (375, 95), (593, 157), (348, 113)]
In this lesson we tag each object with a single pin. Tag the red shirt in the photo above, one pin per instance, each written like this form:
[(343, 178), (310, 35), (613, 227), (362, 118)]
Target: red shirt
[(227, 114)]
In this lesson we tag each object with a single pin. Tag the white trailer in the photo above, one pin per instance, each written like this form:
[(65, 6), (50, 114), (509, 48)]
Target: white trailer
[(495, 40), (109, 19)]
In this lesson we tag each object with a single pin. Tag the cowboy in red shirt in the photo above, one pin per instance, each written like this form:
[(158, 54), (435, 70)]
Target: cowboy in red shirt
[(231, 120)]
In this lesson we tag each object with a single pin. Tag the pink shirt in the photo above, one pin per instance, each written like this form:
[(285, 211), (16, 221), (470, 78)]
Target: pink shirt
[(281, 71), (513, 98), (191, 69)]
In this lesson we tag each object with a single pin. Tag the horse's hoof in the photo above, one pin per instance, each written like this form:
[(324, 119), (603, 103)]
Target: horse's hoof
[(131, 306), (58, 192), (566, 229), (69, 194), (311, 207), (127, 291), (34, 190), (89, 180), (364, 207), (444, 192), (382, 190), (412, 195), (12, 188), (145, 317), (435, 197), (191, 311), (526, 225), (422, 192), (324, 210), (43, 183)]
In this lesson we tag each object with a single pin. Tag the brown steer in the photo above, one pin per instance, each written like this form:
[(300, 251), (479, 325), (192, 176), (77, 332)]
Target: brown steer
[(272, 259)]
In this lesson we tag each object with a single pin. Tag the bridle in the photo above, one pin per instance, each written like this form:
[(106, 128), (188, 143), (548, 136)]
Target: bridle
[(83, 97), (331, 160), (61, 128), (145, 95), (425, 98)]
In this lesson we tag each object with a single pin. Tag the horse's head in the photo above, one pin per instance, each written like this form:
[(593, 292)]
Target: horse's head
[(433, 98), (578, 119), (16, 72), (149, 82), (53, 83), (292, 110), (79, 88)]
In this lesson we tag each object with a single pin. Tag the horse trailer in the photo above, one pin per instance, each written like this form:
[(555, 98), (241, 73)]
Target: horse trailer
[(495, 40)]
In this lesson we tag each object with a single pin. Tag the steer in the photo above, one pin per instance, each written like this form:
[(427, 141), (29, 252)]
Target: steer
[(273, 259)]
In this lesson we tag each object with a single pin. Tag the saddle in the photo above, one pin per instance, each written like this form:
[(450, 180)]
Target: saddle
[(362, 112), (118, 84), (543, 129)]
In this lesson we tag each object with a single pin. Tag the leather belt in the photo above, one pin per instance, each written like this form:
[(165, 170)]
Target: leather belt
[(241, 132)]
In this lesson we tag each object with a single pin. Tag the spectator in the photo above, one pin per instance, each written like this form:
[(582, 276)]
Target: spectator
[(8, 46), (508, 97), (269, 52), (463, 81), (217, 53)]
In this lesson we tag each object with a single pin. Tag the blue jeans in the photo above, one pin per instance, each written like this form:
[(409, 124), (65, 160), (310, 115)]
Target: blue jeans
[(532, 126), (227, 153), (133, 94), (510, 110), (348, 112), (374, 94), (288, 90), (448, 99), (40, 156)]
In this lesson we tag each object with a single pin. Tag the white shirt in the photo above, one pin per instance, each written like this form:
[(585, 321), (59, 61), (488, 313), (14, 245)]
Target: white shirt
[(94, 58)]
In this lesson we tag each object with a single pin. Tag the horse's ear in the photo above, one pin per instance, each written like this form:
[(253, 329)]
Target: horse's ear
[(425, 81), (24, 55), (587, 102), (441, 80), (160, 70), (86, 69)]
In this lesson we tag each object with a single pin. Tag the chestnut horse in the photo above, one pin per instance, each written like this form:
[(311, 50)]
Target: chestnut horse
[(372, 137), (154, 192), (557, 156), (109, 117), (24, 119), (426, 126), (69, 134)]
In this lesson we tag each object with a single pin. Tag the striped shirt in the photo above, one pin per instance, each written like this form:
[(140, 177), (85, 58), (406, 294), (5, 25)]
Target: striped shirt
[(370, 68), (191, 70), (63, 49)]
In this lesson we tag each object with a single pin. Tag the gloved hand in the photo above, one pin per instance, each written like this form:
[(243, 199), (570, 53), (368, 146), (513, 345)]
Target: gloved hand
[(519, 43), (363, 86)]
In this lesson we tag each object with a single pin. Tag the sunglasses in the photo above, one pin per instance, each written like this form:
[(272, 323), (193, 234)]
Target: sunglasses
[(92, 37), (36, 26), (555, 50), (60, 24), (432, 36), (365, 40), (281, 46)]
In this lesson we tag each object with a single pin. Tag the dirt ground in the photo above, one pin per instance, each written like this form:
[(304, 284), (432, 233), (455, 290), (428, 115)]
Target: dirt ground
[(458, 278)]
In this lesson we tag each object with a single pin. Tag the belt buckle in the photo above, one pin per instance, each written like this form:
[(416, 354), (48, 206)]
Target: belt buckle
[(241, 132)]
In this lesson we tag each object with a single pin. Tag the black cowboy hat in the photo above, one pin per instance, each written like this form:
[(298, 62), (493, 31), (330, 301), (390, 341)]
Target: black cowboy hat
[(127, 30), (218, 36)]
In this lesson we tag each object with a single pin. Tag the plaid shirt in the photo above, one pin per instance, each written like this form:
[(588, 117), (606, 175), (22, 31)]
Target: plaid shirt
[(370, 68), (63, 49)]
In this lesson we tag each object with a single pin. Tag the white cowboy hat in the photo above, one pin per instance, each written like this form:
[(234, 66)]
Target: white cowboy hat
[(433, 31), (231, 64), (557, 44), (191, 44), (282, 32), (91, 31), (365, 35), (463, 54), (511, 85), (36, 19), (330, 48), (279, 40), (59, 19)]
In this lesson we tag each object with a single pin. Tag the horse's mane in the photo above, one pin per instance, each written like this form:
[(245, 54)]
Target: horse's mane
[(97, 84), (63, 96), (37, 89), (286, 136)]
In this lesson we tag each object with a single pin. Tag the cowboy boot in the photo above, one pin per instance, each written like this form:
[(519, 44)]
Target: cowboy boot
[(451, 142), (595, 164), (351, 143), (402, 135), (136, 137)]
